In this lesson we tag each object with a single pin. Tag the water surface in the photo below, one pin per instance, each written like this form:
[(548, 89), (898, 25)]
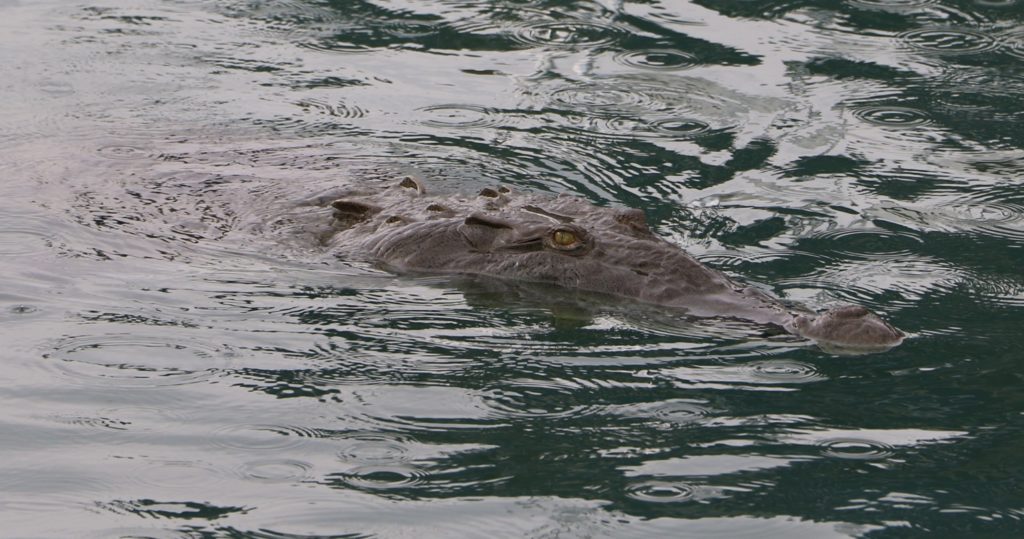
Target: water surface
[(180, 360)]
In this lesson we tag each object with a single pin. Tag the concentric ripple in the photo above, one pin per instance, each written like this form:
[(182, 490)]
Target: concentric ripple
[(25, 235), (276, 470), (459, 116), (263, 437), (537, 400), (177, 474), (600, 97), (657, 59), (383, 476), (619, 127), (891, 4), (131, 360), (123, 152), (855, 449), (784, 371), (948, 41), (567, 33), (662, 492), (374, 448), (674, 411), (891, 116), (1013, 43), (334, 109)]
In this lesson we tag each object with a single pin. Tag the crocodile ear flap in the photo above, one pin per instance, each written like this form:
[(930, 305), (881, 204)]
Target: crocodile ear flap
[(350, 211)]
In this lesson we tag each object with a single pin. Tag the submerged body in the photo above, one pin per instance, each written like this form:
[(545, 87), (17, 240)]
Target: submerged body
[(569, 242)]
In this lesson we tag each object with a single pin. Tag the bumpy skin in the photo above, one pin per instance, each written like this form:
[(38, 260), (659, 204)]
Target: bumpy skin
[(566, 241)]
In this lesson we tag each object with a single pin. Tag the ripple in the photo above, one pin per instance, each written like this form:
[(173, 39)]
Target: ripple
[(1014, 44), (264, 437), (784, 371), (976, 213), (600, 98), (177, 474), (383, 476), (680, 127), (567, 33), (891, 4), (333, 109), (674, 411), (276, 470), (20, 238), (132, 360), (948, 41), (411, 29), (22, 310), (891, 116), (122, 152), (534, 399), (625, 127), (374, 448), (855, 449), (662, 492), (459, 116), (658, 59), (875, 244), (140, 532)]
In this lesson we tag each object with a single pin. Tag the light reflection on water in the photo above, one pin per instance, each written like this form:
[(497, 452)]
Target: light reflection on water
[(182, 357)]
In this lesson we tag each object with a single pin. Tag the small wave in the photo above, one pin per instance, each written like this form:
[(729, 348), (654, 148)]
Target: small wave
[(674, 411), (568, 34), (376, 477), (784, 371), (263, 437), (948, 41), (855, 449), (672, 491), (658, 59), (133, 360), (124, 152), (891, 116), (374, 448), (896, 5), (334, 109), (1014, 44), (184, 475), (458, 116), (275, 470)]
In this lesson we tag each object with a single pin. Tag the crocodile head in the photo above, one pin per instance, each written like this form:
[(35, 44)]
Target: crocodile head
[(566, 241)]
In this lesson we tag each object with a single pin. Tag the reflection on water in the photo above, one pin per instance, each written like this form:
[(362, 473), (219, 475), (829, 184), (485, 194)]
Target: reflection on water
[(182, 358)]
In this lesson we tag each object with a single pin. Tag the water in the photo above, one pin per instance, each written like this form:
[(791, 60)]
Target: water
[(179, 360)]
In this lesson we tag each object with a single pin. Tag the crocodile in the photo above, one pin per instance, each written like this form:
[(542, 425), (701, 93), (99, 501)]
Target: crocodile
[(564, 240)]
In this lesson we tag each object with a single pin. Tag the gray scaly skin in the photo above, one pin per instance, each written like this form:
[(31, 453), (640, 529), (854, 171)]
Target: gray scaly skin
[(568, 242)]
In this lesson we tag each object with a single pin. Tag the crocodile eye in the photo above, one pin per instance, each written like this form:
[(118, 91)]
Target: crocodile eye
[(564, 238)]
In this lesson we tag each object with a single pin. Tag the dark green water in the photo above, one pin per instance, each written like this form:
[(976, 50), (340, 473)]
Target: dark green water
[(178, 361)]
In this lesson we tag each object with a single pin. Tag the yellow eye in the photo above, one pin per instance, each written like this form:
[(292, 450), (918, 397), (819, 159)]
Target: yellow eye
[(564, 238)]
